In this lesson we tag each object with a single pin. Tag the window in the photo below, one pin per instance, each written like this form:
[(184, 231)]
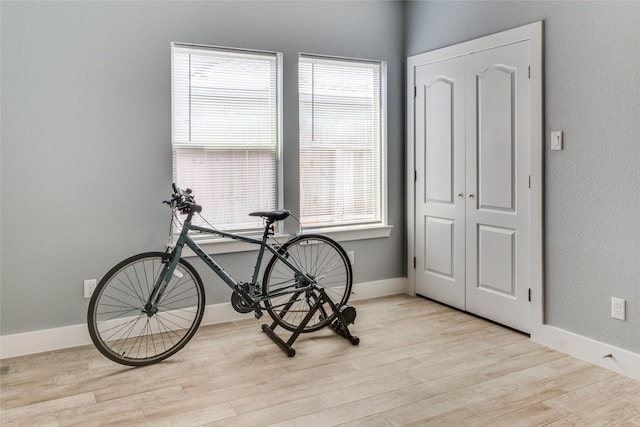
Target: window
[(342, 140), (226, 131)]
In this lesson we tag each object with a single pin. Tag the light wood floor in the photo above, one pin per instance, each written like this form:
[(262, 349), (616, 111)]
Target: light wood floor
[(418, 363)]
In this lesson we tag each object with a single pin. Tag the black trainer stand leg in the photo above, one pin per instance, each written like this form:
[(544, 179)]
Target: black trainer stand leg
[(345, 315), (287, 346)]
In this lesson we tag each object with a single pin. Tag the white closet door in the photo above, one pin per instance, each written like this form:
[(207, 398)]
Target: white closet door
[(440, 181), (498, 200)]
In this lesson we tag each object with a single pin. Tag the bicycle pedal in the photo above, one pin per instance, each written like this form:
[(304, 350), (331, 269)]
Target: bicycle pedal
[(257, 313)]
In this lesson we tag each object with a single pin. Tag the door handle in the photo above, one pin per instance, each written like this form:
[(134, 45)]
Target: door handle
[(460, 195), (471, 196)]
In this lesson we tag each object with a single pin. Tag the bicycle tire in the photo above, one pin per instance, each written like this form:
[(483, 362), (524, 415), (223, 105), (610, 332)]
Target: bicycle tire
[(323, 260), (123, 332)]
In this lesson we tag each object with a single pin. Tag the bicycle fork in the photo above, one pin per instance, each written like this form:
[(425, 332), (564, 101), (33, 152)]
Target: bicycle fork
[(166, 273)]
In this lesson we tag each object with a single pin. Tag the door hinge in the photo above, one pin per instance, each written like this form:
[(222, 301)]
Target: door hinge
[(415, 176), (529, 294), (415, 91), (414, 262), (529, 181), (529, 71)]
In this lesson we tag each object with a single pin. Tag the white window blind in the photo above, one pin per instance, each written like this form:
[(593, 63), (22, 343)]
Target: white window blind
[(225, 131), (341, 141)]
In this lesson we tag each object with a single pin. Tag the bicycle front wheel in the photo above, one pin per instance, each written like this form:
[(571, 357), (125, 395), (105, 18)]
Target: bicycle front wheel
[(126, 331), (322, 260)]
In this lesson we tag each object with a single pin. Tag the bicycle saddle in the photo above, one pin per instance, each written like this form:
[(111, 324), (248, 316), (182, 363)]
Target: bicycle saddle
[(278, 215)]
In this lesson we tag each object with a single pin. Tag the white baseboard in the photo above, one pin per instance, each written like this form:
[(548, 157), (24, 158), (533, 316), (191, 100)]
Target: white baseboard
[(77, 335), (604, 355), (380, 288)]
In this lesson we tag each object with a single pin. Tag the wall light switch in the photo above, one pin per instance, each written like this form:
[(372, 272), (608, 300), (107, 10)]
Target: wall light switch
[(556, 140)]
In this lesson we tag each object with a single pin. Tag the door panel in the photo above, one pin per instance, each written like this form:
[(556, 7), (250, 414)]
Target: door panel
[(438, 94), (495, 139), (497, 215), (440, 176), (496, 244), (439, 259)]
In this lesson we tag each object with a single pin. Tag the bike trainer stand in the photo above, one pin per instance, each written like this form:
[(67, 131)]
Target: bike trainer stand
[(345, 315)]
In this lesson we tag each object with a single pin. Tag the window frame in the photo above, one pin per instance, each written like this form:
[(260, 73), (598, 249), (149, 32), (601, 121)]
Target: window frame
[(380, 228), (351, 232)]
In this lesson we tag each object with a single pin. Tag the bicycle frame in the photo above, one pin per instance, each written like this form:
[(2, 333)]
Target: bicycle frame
[(251, 297)]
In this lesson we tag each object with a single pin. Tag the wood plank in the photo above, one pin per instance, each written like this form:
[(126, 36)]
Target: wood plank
[(419, 363)]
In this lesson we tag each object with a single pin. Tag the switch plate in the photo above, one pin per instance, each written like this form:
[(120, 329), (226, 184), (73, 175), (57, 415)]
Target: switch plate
[(618, 309), (556, 140)]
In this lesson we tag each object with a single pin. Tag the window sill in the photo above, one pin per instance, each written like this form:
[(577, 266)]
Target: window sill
[(345, 234), (216, 246)]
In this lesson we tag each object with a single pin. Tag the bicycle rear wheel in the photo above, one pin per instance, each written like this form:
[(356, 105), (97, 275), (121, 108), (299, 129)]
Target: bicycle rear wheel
[(120, 326), (322, 260)]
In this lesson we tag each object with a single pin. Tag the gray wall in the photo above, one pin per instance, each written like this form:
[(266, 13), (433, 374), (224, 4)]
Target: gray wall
[(592, 197), (86, 155)]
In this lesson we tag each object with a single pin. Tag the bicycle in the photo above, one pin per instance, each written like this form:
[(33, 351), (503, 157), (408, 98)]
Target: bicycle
[(150, 305)]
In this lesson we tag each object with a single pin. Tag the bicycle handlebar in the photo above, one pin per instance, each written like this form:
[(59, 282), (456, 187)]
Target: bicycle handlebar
[(183, 201)]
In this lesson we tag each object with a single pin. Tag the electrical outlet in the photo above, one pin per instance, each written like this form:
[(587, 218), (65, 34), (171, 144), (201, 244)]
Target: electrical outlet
[(89, 287), (618, 309), (352, 257)]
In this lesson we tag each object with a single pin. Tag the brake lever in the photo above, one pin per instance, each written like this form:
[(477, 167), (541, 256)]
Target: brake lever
[(174, 200)]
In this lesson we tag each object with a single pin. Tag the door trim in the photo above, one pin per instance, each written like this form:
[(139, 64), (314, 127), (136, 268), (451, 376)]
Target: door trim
[(533, 33)]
